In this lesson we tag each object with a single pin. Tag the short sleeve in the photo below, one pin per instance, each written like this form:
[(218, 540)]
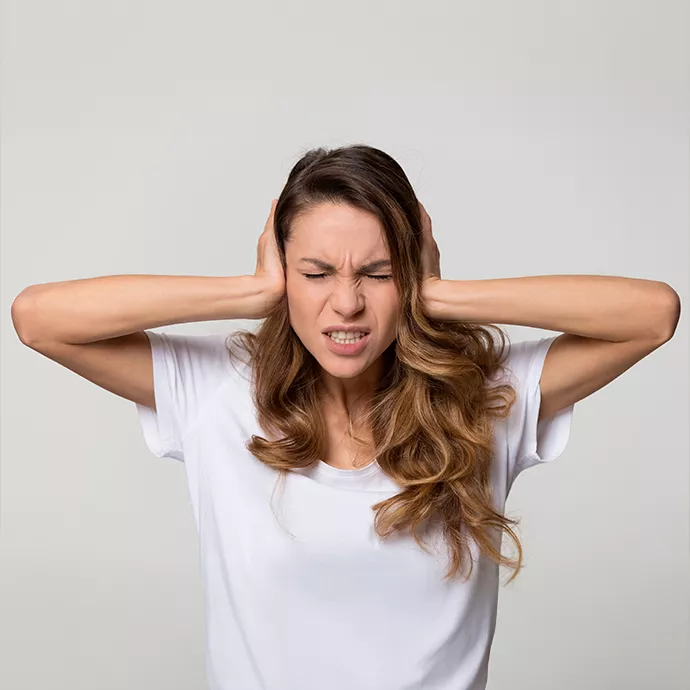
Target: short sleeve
[(531, 442), (188, 370)]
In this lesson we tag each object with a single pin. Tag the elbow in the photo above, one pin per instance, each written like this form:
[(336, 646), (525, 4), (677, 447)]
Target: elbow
[(21, 313), (669, 312)]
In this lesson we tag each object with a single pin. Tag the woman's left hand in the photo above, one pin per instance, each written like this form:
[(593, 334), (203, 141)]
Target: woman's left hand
[(431, 256)]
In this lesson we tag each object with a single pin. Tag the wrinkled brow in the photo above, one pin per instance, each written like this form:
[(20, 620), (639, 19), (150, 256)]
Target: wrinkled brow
[(371, 266)]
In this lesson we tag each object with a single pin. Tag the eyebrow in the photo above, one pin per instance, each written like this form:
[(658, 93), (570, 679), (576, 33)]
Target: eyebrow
[(371, 266)]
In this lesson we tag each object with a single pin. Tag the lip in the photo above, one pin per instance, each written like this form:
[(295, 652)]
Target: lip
[(347, 348), (347, 329)]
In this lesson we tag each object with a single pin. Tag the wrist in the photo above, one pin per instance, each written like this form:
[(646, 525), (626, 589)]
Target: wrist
[(433, 297), (267, 292)]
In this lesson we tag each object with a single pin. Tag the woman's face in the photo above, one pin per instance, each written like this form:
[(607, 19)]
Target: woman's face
[(340, 244)]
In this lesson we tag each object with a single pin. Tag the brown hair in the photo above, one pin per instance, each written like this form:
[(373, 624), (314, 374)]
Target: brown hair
[(432, 414)]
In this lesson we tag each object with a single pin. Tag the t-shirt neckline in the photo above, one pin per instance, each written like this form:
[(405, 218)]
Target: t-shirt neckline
[(325, 469)]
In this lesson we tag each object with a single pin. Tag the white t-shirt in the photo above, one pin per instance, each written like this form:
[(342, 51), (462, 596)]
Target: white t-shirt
[(300, 593)]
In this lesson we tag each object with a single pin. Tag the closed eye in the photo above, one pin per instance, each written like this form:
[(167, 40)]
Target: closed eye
[(317, 276)]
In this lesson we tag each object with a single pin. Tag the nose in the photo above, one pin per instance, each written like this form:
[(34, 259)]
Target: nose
[(347, 298)]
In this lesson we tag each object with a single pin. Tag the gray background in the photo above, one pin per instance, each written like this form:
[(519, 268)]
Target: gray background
[(150, 137)]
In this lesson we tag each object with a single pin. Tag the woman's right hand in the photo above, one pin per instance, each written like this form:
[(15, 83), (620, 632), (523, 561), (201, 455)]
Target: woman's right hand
[(269, 268)]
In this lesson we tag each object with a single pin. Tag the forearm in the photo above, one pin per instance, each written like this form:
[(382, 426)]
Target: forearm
[(604, 307), (91, 309)]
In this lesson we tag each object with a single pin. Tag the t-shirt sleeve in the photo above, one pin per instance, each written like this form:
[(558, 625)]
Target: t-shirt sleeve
[(188, 370), (531, 442)]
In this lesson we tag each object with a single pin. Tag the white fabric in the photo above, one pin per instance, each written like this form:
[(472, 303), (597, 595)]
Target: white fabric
[(300, 593)]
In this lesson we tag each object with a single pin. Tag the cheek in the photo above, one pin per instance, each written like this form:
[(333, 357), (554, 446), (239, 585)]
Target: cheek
[(302, 307), (393, 305)]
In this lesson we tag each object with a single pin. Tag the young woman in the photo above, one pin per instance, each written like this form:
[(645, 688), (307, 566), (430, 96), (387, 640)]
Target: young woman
[(376, 398)]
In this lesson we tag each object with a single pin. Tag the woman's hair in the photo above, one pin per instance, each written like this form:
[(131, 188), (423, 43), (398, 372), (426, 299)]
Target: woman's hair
[(432, 413)]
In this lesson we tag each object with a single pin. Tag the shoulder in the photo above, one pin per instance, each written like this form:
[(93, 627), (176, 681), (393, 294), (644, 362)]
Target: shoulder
[(199, 359), (522, 360)]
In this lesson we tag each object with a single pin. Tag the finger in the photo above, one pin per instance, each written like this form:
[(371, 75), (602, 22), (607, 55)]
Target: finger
[(269, 222)]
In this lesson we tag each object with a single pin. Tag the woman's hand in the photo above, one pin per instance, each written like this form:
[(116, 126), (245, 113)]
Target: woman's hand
[(431, 268), (431, 256), (269, 269)]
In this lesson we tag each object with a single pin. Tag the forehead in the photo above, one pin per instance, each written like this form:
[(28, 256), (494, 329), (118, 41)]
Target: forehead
[(332, 230)]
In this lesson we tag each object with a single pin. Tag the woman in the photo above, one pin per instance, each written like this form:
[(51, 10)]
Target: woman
[(375, 397)]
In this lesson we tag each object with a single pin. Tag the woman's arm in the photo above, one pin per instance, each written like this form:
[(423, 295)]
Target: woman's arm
[(92, 309)]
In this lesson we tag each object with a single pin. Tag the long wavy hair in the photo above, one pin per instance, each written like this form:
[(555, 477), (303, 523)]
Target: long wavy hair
[(432, 413)]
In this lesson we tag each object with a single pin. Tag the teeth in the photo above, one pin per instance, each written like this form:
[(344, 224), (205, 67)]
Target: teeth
[(343, 337)]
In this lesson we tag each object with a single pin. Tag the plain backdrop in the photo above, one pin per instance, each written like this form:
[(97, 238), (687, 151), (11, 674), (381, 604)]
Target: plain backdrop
[(149, 137)]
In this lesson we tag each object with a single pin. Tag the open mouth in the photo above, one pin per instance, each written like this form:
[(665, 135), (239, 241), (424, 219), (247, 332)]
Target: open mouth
[(352, 343)]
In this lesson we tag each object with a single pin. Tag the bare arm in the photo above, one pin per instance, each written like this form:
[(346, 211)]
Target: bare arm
[(92, 309), (94, 326)]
